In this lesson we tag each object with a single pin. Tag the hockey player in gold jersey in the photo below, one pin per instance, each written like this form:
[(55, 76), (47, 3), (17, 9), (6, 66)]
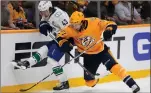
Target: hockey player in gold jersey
[(85, 32)]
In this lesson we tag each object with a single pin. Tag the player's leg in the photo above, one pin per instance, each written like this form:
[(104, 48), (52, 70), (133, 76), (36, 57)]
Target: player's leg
[(54, 56), (37, 57), (91, 65), (114, 67), (53, 53)]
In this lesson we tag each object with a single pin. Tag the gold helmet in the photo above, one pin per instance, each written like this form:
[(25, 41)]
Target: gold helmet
[(76, 17)]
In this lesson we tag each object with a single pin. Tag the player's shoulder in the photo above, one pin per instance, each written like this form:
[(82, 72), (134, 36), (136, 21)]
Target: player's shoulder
[(59, 11), (107, 22), (93, 19), (58, 14), (68, 30)]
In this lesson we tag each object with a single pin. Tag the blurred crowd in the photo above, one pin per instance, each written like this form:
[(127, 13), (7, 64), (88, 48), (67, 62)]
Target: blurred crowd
[(22, 14), (17, 15)]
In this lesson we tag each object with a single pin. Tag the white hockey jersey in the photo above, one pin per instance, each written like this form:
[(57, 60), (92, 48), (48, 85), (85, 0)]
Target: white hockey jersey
[(58, 20)]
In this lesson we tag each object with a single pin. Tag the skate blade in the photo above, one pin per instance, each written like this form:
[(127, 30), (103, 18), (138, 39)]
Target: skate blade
[(15, 65), (61, 91), (19, 67)]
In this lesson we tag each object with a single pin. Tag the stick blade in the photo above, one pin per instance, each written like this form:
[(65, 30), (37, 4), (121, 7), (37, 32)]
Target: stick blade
[(23, 90)]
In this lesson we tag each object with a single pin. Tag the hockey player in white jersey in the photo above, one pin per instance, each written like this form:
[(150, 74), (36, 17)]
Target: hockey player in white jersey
[(52, 21)]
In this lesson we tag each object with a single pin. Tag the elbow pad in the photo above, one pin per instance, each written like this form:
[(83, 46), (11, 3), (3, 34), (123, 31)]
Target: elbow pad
[(112, 28)]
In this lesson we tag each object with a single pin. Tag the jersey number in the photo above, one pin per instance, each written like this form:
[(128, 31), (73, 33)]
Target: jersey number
[(64, 22)]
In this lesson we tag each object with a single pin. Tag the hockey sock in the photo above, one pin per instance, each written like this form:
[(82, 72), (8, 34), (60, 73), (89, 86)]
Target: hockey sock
[(34, 59), (122, 74), (118, 70), (39, 55), (129, 81), (57, 70)]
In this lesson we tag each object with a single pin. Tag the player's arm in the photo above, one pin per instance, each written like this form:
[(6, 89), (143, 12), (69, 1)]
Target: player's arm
[(63, 40), (109, 28)]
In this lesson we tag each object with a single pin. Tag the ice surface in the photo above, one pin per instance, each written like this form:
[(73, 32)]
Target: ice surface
[(117, 86)]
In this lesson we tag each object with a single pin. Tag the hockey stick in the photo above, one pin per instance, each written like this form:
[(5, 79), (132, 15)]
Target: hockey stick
[(73, 58), (23, 90)]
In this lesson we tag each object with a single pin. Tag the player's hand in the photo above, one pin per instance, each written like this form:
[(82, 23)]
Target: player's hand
[(66, 47), (107, 35), (44, 28)]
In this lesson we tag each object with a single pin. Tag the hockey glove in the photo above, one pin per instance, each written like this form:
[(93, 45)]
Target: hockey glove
[(110, 30), (107, 35), (21, 64), (44, 28), (64, 45)]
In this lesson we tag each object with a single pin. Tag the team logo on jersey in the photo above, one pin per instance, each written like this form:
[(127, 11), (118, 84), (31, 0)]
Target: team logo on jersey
[(86, 41)]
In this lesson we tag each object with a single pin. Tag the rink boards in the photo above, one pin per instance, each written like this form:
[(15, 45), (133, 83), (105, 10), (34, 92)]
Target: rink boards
[(130, 45)]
